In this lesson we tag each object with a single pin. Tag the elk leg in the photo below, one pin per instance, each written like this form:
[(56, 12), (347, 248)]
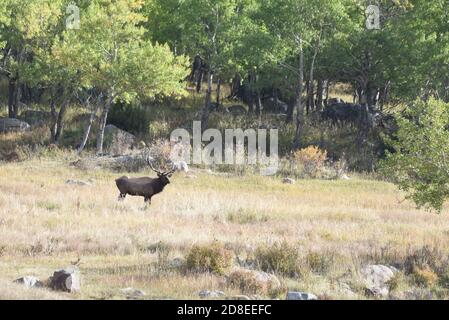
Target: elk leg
[(121, 196), (147, 200)]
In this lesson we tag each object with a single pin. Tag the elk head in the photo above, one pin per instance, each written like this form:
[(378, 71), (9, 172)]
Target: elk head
[(163, 176)]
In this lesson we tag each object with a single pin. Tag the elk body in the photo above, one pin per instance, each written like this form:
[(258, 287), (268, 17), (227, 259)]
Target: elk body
[(145, 186)]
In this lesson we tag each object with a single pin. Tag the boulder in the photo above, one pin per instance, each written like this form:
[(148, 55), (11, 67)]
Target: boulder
[(117, 141), (253, 281), (132, 293), (236, 109), (30, 282), (181, 166), (275, 106), (36, 118), (77, 182), (295, 295), (238, 297), (176, 263), (376, 278), (211, 294), (288, 181), (67, 280), (13, 125)]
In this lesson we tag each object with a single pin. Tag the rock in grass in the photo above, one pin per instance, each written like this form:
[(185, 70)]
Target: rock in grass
[(77, 182), (238, 297), (376, 278), (253, 281), (210, 294), (30, 282), (288, 181), (294, 295), (13, 125), (67, 280), (132, 293)]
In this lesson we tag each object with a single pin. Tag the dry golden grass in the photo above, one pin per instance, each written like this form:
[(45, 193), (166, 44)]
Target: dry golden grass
[(45, 224)]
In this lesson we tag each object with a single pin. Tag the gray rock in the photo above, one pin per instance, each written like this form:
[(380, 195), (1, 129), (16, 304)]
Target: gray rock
[(288, 181), (275, 106), (182, 166), (67, 279), (238, 297), (176, 263), (376, 279), (132, 293), (295, 295), (236, 109), (265, 281), (77, 182), (210, 294), (117, 141), (30, 282), (13, 125), (36, 118)]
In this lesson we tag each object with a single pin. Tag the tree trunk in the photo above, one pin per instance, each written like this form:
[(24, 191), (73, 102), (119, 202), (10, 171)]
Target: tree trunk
[(11, 92), (103, 119), (308, 94), (218, 92), (17, 99), (298, 104), (87, 129), (54, 119), (60, 121), (319, 95), (258, 103), (250, 93), (327, 92), (206, 108), (199, 82)]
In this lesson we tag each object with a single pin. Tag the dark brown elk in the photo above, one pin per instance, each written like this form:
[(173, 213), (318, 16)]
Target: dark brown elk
[(145, 186)]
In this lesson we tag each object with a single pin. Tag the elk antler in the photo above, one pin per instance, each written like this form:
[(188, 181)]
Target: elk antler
[(171, 171), (151, 166)]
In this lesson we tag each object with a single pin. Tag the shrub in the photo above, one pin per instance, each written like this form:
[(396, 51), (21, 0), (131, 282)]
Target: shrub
[(129, 117), (209, 258), (311, 159), (426, 257), (320, 262), (279, 258), (424, 276), (255, 282), (246, 216), (418, 163)]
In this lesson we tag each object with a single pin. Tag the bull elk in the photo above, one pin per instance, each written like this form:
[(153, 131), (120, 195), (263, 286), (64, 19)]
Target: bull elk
[(145, 186)]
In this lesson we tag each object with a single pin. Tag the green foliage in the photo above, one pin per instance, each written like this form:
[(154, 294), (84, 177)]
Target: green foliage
[(209, 258), (129, 117), (419, 164), (281, 258)]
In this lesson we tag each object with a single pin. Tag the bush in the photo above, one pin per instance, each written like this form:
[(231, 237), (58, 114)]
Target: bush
[(246, 216), (320, 262), (251, 282), (418, 164), (280, 258), (209, 258), (129, 117), (311, 160), (424, 277)]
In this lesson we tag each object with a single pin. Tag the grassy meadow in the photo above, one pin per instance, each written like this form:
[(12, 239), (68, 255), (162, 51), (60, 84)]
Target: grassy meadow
[(337, 226)]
